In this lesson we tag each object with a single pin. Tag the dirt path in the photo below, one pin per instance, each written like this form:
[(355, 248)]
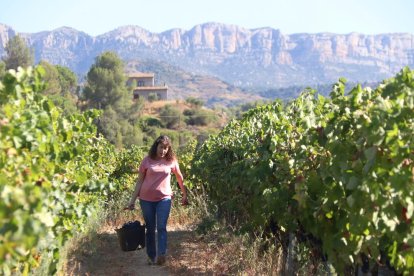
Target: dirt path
[(109, 259), (187, 255)]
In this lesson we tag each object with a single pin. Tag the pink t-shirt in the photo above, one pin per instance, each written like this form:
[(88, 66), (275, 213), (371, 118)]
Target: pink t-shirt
[(156, 185)]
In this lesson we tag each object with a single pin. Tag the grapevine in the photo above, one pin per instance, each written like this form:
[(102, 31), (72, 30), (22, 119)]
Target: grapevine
[(338, 168)]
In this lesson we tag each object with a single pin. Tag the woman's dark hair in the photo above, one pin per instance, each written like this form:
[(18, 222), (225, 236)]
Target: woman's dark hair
[(164, 139)]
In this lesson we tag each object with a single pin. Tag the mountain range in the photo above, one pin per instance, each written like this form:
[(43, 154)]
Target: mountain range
[(261, 58)]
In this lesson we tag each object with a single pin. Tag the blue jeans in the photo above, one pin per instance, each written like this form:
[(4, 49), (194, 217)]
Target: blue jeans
[(156, 216)]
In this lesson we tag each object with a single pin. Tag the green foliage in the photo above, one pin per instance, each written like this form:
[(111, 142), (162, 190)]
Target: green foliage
[(239, 110), (340, 169), (170, 115), (203, 135), (185, 154), (67, 79), (189, 112), (152, 97), (149, 121), (126, 171), (118, 130), (197, 103), (51, 79), (2, 69), (53, 173), (66, 101), (199, 117), (106, 82), (132, 84), (17, 54), (106, 90), (56, 172), (55, 83)]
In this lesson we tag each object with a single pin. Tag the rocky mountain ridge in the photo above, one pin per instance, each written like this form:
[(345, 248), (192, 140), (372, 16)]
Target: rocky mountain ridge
[(262, 57)]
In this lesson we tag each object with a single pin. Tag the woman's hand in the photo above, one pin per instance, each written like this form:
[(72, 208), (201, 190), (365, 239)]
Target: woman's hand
[(131, 206), (184, 200)]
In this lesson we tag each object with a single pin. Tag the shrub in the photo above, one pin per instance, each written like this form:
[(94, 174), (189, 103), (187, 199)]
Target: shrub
[(200, 117), (152, 97), (194, 102), (170, 115)]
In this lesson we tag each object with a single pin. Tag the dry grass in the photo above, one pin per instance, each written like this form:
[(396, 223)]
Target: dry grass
[(98, 251), (206, 246), (152, 108), (220, 253), (198, 244)]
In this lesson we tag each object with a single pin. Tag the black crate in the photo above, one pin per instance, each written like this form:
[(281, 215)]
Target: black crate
[(131, 236)]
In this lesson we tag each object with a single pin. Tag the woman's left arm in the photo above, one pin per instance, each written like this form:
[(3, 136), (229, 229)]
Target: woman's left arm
[(180, 181)]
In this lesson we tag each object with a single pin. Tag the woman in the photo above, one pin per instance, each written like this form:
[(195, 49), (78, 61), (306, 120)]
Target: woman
[(153, 188)]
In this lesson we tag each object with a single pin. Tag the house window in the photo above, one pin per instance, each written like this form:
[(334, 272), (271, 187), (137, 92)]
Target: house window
[(140, 83)]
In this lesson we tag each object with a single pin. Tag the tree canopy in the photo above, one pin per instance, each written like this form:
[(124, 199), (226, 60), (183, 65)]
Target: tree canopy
[(61, 84), (2, 68), (51, 78), (106, 90), (106, 82), (67, 79), (18, 54)]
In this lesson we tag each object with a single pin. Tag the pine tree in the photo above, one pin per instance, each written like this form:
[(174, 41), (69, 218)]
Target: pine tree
[(106, 90), (2, 69), (106, 84), (17, 54)]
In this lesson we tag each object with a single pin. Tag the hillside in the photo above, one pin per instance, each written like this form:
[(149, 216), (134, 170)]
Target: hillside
[(153, 109), (182, 84), (262, 57)]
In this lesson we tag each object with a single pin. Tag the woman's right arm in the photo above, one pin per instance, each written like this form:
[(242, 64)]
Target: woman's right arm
[(140, 180)]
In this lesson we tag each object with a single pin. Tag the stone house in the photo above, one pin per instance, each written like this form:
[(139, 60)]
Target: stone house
[(143, 85)]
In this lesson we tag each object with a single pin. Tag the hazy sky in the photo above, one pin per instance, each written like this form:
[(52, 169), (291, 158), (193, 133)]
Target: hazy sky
[(290, 16)]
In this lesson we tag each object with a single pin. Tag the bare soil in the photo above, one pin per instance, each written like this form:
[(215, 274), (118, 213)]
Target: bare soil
[(187, 255)]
